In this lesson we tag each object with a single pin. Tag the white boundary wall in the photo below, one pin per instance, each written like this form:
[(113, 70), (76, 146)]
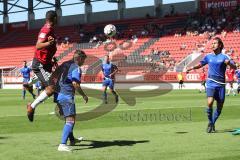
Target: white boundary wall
[(146, 86)]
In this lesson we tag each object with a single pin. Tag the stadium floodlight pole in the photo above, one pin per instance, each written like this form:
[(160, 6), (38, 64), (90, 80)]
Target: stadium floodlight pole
[(197, 4), (31, 15), (158, 7), (88, 11), (121, 9), (58, 8), (5, 15)]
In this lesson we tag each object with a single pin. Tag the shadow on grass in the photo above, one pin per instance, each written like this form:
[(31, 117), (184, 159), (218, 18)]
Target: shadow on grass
[(4, 137), (181, 132), (100, 144), (225, 130)]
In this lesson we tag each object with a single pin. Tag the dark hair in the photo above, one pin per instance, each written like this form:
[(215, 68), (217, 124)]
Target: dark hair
[(220, 42), (50, 15), (79, 53)]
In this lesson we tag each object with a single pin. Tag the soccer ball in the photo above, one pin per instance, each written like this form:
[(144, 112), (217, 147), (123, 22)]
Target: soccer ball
[(110, 30)]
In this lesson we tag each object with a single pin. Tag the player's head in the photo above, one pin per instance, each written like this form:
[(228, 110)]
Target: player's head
[(79, 57), (106, 59), (51, 17), (24, 63), (217, 45)]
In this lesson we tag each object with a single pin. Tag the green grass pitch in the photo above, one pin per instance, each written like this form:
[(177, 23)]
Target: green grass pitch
[(170, 126)]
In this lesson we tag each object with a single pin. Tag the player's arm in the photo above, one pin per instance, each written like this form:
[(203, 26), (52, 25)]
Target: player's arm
[(76, 81), (78, 88), (44, 40), (231, 63), (115, 70), (202, 63), (195, 67)]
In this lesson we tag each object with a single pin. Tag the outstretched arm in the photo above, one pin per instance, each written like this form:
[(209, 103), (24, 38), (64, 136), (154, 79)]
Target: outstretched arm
[(195, 67)]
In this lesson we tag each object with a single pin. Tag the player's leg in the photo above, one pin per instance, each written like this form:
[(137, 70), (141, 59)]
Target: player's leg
[(71, 137), (38, 91), (49, 89), (112, 90), (209, 110), (23, 91), (220, 97), (69, 112), (44, 77), (67, 129), (201, 88), (229, 90), (104, 89), (232, 89), (238, 89), (30, 90), (204, 85)]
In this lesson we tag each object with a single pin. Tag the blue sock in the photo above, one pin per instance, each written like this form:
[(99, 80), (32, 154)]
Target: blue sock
[(209, 114), (24, 94), (71, 137), (216, 114), (67, 129), (105, 95)]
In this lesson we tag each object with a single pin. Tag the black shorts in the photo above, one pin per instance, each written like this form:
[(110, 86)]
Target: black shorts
[(43, 72), (181, 82)]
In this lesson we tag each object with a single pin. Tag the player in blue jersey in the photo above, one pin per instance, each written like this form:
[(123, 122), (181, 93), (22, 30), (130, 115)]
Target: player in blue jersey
[(109, 70), (215, 84), (38, 87), (237, 74), (69, 79), (25, 71)]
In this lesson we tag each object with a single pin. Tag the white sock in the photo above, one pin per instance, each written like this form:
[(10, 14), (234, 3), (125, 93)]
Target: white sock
[(229, 91), (42, 97), (232, 90)]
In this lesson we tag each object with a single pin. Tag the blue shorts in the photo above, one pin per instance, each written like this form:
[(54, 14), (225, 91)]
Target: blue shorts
[(26, 80), (218, 93), (108, 83), (67, 105)]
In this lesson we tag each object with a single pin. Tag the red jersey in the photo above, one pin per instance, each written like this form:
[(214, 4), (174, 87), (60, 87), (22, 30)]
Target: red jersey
[(230, 74), (203, 76), (45, 55)]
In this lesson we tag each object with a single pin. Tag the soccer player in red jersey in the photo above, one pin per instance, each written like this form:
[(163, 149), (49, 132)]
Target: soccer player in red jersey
[(230, 77), (203, 81), (43, 60)]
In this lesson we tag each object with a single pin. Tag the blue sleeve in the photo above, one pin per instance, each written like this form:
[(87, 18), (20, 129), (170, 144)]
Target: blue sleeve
[(21, 71), (229, 58), (204, 61), (76, 75)]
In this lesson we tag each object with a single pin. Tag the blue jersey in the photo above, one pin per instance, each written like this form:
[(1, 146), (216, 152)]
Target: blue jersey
[(216, 68), (71, 72), (25, 71), (107, 69), (237, 73), (38, 84)]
